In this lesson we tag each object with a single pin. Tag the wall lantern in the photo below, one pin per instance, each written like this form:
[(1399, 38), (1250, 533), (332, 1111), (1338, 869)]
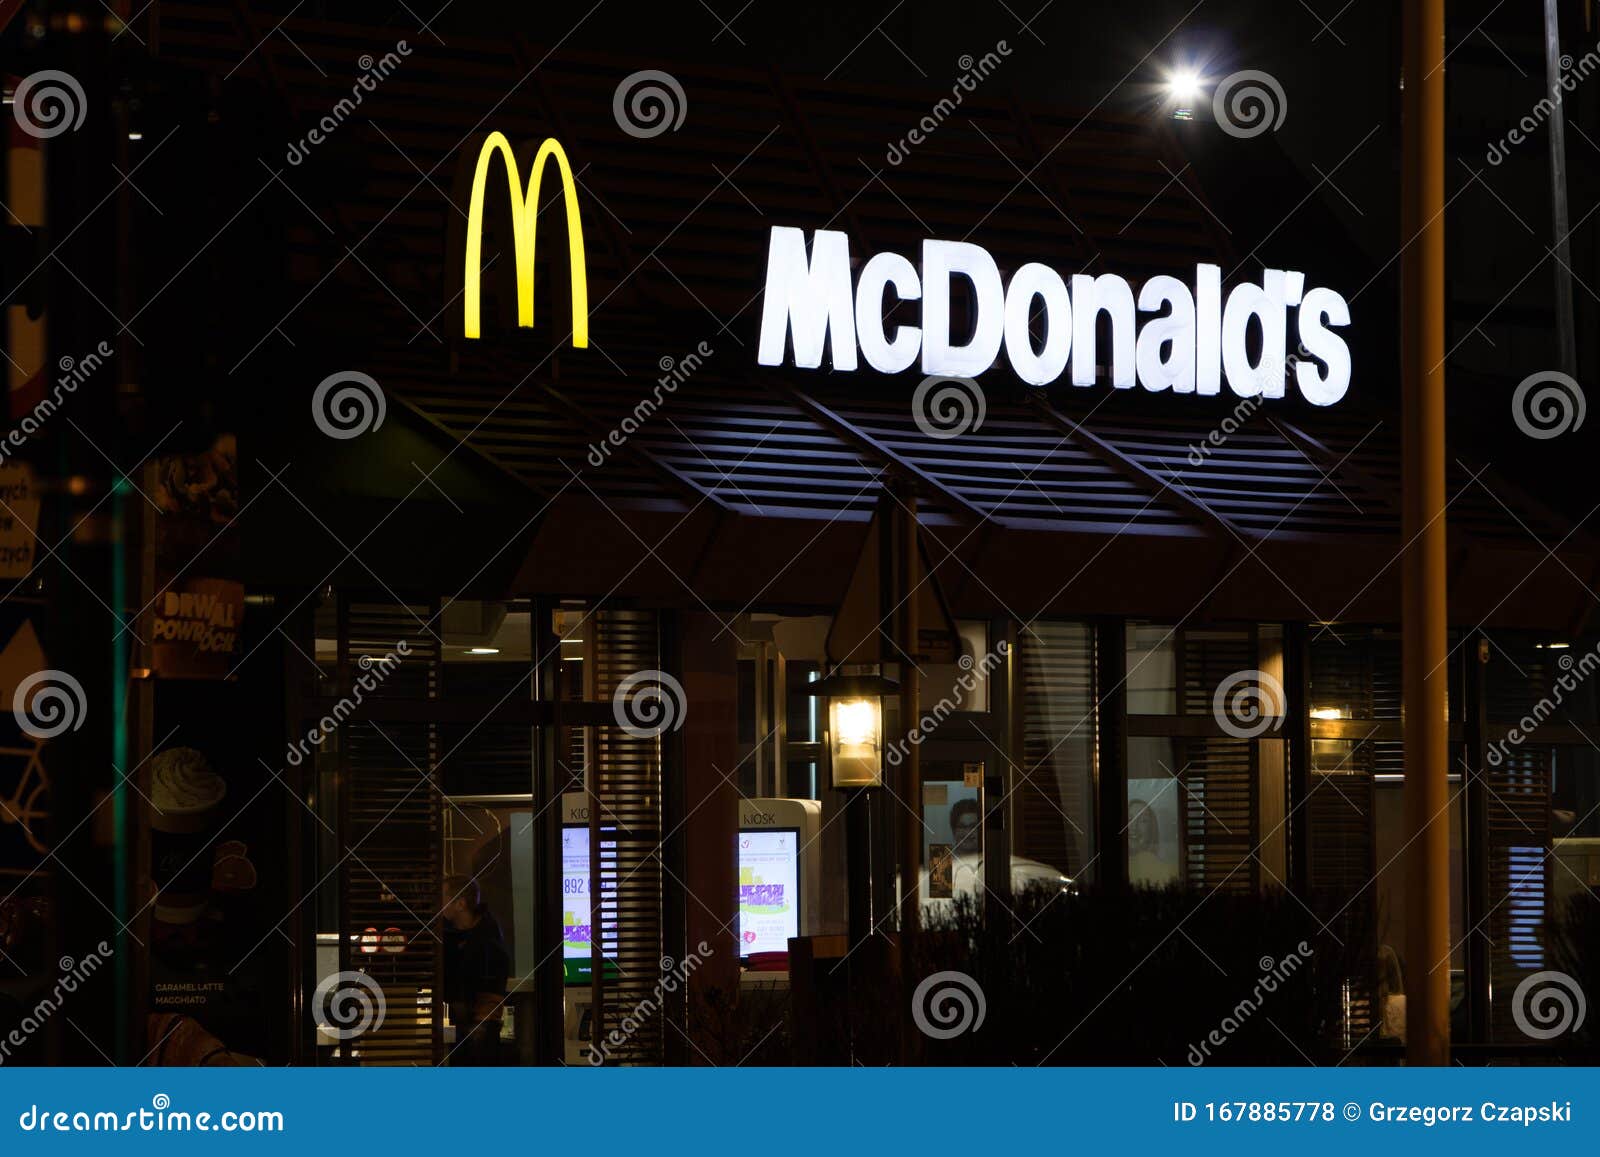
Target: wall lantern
[(854, 735)]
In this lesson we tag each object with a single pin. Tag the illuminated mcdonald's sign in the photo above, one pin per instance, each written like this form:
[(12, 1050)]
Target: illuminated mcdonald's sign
[(525, 225)]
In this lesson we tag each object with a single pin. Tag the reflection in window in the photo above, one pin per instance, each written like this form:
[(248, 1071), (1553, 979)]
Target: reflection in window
[(1053, 813), (1152, 669), (1155, 836)]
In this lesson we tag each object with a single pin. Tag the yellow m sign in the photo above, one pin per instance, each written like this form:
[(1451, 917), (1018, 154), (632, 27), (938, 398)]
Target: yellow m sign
[(525, 225)]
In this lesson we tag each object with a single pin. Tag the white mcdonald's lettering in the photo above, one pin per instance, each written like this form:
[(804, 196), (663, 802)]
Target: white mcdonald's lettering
[(525, 225), (1190, 342)]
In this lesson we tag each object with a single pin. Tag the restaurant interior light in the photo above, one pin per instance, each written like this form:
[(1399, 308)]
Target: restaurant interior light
[(483, 650), (1326, 713)]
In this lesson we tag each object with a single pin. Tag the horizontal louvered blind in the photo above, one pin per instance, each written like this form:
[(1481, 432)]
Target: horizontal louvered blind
[(625, 776), (1220, 797), (1519, 839), (1357, 674), (1219, 814), (1342, 857), (389, 837)]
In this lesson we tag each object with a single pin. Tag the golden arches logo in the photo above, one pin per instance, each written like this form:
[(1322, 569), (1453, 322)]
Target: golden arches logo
[(525, 226)]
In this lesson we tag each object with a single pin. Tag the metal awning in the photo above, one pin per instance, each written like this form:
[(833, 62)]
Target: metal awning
[(745, 488)]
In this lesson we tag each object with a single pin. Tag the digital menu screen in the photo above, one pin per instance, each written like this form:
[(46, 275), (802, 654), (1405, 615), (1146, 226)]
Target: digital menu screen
[(769, 890), (575, 924)]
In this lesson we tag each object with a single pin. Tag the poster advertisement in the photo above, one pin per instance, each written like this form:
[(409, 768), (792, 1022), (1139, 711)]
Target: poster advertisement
[(205, 927), (941, 872), (19, 519), (194, 620), (769, 890), (952, 815), (952, 840)]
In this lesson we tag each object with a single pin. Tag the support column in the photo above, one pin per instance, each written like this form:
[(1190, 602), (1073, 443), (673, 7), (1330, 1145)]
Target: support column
[(705, 821), (1423, 609), (1475, 713), (1297, 730), (1111, 752), (1005, 709)]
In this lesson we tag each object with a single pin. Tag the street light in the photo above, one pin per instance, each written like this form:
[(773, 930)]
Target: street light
[(1183, 90), (854, 736), (854, 743), (1184, 86)]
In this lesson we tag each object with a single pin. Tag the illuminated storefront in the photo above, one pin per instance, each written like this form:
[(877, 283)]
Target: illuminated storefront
[(1143, 506)]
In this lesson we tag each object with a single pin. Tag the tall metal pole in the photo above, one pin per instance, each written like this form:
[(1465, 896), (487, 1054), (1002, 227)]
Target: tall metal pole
[(1423, 611), (858, 866), (1566, 338), (908, 596), (549, 982)]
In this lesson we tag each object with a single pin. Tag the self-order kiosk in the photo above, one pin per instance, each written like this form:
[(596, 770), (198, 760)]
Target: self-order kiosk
[(780, 884), (576, 926), (780, 877)]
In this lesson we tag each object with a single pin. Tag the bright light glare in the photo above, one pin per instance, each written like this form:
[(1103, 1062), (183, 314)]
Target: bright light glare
[(1326, 713), (856, 722), (1183, 87), (483, 650)]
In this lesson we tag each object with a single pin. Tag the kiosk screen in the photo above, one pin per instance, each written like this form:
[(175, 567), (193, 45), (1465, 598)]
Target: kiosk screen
[(769, 889), (575, 949)]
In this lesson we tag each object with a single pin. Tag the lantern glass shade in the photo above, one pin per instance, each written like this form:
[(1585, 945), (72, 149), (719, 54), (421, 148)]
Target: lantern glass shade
[(855, 731)]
